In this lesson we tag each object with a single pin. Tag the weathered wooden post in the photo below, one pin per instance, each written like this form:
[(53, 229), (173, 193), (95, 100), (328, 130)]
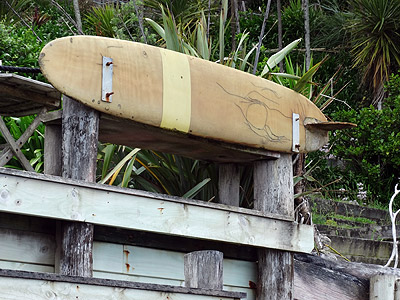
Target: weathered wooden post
[(383, 287), (273, 193), (80, 126), (53, 143), (204, 270), (228, 184)]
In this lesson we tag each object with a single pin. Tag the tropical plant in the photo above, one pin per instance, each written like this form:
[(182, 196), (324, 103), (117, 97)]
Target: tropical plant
[(375, 36), (119, 21), (10, 8)]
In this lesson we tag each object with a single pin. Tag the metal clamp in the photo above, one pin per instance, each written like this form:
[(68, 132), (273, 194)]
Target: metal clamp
[(296, 133), (106, 80)]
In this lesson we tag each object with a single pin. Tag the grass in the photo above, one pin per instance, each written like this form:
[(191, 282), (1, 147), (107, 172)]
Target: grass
[(333, 219)]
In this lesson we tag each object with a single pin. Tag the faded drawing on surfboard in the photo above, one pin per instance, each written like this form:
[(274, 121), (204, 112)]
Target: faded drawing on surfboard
[(170, 90)]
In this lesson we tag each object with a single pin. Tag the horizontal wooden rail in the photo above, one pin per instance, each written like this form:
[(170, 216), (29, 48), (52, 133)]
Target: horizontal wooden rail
[(33, 285), (53, 197)]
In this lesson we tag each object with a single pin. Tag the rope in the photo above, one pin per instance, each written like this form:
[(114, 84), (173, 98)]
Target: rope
[(20, 69)]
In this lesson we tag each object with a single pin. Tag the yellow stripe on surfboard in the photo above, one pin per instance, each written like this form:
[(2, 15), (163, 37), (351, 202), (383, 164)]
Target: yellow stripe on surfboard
[(177, 99)]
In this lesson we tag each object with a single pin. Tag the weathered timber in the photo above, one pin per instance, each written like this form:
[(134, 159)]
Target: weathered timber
[(35, 286), (273, 193), (26, 247), (173, 243), (228, 184), (23, 96), (315, 278), (80, 129), (319, 282), (138, 210), (52, 150), (382, 287), (80, 126), (204, 269)]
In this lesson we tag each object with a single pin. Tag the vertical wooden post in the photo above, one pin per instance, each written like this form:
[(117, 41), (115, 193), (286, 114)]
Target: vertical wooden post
[(382, 287), (228, 184), (80, 126), (273, 193), (204, 270), (52, 149), (53, 166)]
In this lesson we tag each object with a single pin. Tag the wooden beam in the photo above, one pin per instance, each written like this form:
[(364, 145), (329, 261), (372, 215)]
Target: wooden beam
[(273, 193), (204, 269), (228, 184), (80, 130), (57, 198), (35, 286)]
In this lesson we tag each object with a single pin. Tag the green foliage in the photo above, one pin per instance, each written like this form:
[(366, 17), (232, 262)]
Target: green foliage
[(7, 14), (20, 47), (370, 153), (118, 22), (375, 31)]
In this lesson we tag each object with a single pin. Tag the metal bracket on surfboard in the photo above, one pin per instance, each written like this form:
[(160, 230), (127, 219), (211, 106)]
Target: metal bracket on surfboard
[(106, 79), (296, 133)]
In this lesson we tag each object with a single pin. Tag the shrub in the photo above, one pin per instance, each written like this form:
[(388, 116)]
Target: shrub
[(370, 153)]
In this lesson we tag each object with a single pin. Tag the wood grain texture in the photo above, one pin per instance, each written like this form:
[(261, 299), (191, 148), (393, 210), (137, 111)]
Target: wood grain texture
[(129, 209), (23, 96), (228, 184), (52, 150), (204, 269), (26, 247), (273, 193), (34, 286), (382, 287), (256, 112), (80, 130), (273, 186)]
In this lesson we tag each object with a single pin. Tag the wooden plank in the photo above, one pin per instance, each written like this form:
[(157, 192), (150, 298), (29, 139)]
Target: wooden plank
[(23, 96), (273, 192), (80, 129), (320, 282), (37, 285), (26, 223), (26, 247), (11, 265), (161, 264), (204, 269), (148, 212), (256, 112), (228, 184), (381, 287)]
